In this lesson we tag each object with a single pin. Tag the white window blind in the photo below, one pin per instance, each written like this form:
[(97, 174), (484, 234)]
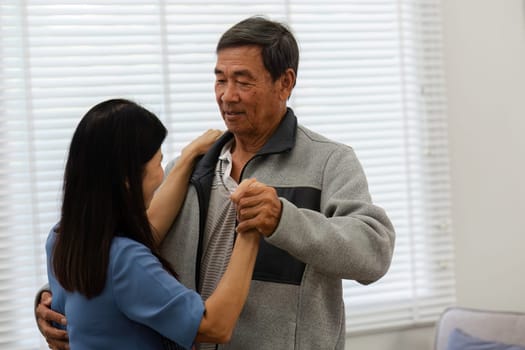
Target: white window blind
[(370, 75)]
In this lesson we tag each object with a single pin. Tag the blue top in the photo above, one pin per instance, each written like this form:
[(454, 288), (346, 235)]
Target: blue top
[(140, 302)]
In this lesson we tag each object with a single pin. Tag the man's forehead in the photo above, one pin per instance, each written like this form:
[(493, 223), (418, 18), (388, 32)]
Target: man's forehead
[(239, 68), (243, 55), (236, 71)]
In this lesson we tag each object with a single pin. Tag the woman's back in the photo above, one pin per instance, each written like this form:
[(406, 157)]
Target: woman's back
[(139, 297)]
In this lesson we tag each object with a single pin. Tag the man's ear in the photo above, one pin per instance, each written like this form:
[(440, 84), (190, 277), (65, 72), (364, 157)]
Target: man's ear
[(287, 83)]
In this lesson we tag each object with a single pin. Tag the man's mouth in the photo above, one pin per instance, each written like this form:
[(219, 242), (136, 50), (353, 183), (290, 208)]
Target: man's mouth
[(232, 113)]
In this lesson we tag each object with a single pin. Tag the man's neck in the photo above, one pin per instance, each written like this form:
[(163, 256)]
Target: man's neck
[(241, 156), (244, 147)]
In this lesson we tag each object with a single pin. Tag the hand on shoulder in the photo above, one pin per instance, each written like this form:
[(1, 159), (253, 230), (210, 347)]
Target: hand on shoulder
[(202, 143)]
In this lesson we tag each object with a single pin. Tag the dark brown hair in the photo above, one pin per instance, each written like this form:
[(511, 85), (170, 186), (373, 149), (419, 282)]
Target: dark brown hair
[(102, 192), (279, 48)]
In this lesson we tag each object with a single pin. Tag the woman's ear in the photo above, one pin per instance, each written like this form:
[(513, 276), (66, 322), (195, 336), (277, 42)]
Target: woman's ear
[(287, 82)]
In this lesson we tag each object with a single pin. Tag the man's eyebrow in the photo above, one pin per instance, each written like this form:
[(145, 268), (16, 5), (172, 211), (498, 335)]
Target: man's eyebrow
[(239, 73), (243, 73)]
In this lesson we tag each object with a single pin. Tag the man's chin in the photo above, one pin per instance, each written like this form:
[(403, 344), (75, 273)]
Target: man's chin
[(233, 124), (233, 118)]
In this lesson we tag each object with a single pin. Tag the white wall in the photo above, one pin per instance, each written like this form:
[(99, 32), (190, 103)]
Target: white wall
[(485, 68), (486, 88)]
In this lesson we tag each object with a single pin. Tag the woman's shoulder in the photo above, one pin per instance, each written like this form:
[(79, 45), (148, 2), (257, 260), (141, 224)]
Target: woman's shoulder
[(51, 238), (126, 246), (124, 242), (127, 253)]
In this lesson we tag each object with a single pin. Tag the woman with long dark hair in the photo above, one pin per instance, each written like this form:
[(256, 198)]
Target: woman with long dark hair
[(104, 267)]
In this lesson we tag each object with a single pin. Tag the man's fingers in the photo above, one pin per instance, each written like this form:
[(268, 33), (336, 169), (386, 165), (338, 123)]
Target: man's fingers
[(241, 189), (246, 227), (45, 313), (58, 345), (257, 199), (258, 208), (50, 332), (45, 298), (54, 335), (56, 338), (247, 188)]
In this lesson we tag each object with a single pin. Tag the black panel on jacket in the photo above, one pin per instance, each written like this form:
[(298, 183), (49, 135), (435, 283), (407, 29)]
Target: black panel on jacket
[(274, 264)]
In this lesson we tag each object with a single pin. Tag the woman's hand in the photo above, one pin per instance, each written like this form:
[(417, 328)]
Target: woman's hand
[(168, 199), (202, 143)]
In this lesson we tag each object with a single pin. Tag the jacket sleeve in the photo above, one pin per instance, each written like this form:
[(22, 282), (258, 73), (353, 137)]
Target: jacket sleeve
[(350, 237)]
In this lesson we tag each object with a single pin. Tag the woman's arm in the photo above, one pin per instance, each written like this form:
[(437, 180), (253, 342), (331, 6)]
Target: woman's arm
[(224, 306), (168, 199)]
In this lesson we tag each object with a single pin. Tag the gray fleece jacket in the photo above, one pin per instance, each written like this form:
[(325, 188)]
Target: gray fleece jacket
[(329, 230)]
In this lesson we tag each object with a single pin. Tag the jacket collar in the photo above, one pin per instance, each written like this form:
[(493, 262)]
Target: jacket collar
[(282, 140)]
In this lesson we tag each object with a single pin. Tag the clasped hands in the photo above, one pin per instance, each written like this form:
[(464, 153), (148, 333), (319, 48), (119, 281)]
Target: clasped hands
[(258, 207)]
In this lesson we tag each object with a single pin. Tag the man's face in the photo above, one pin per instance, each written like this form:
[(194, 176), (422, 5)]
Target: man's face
[(250, 102)]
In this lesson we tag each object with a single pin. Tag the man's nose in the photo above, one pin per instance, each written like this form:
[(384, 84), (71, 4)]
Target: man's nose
[(230, 94)]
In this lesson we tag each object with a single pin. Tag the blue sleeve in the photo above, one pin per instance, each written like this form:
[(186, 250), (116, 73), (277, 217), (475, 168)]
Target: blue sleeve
[(58, 301), (148, 294)]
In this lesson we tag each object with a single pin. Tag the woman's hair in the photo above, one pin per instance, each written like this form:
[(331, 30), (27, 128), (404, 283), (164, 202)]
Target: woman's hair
[(279, 49), (102, 192)]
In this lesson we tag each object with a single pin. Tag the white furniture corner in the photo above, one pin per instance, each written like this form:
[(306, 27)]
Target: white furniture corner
[(501, 326)]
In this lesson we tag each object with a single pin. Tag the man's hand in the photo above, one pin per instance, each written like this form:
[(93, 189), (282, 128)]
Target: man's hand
[(258, 207), (57, 339)]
